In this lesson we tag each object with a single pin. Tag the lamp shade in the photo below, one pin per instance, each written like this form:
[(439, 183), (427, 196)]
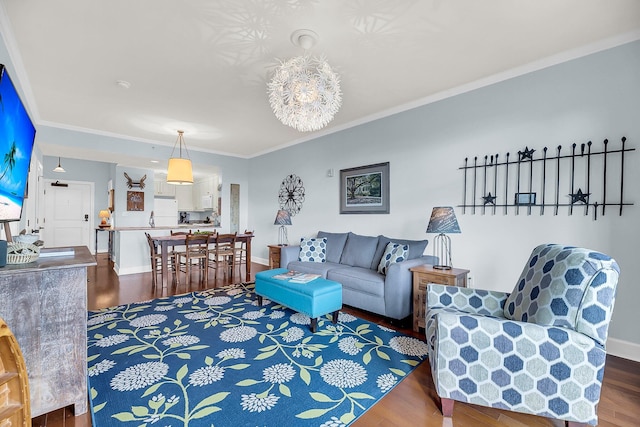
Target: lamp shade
[(443, 220), (282, 218), (179, 171), (103, 215)]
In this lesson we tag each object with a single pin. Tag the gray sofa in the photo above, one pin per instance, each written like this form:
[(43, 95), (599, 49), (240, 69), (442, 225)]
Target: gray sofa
[(353, 259)]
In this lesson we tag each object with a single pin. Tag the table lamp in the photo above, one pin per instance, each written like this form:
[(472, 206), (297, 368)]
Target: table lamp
[(443, 221), (282, 218), (104, 216)]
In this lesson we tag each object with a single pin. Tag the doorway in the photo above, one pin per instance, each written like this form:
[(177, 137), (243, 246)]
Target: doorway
[(68, 214)]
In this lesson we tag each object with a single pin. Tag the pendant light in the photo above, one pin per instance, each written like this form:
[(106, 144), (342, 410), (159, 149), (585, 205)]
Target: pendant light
[(59, 168), (179, 171)]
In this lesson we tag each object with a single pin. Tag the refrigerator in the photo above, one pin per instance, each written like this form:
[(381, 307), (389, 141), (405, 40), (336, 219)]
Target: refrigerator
[(165, 212)]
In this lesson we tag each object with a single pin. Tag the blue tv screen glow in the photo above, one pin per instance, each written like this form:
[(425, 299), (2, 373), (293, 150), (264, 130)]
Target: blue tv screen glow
[(17, 135)]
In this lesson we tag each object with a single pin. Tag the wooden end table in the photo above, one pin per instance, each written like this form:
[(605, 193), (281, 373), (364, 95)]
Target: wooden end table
[(274, 256), (424, 274)]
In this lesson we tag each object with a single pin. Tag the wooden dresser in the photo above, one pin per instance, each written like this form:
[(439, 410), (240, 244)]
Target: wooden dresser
[(45, 305)]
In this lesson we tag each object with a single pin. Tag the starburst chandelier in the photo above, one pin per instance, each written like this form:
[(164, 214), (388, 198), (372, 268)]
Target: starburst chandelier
[(304, 92)]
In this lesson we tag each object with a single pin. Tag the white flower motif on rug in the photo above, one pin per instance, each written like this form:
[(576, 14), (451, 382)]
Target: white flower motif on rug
[(217, 358)]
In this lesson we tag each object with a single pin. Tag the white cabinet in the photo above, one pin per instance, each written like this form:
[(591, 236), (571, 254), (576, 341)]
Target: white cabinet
[(184, 196), (204, 194), (161, 188)]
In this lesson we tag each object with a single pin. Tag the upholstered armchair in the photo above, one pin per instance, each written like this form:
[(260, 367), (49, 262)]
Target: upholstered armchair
[(538, 350)]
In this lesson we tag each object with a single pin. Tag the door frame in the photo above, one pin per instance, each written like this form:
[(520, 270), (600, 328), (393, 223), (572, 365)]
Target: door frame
[(92, 194)]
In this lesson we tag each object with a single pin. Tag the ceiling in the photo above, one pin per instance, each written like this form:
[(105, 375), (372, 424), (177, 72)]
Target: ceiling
[(203, 65)]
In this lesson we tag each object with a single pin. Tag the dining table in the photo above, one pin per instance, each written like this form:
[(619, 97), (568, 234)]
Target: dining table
[(165, 242)]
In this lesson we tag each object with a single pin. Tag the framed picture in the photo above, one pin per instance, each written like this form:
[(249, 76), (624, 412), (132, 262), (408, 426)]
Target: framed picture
[(135, 200), (525, 199), (365, 189)]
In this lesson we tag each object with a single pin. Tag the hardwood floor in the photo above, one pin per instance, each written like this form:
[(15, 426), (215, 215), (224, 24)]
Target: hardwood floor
[(411, 403)]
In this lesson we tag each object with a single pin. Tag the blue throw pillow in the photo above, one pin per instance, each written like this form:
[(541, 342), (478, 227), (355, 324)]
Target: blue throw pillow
[(313, 250), (393, 253)]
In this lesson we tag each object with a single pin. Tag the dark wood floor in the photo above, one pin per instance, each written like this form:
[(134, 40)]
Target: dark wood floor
[(411, 403)]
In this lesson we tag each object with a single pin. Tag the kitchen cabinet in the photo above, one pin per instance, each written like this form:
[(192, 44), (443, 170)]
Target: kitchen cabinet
[(184, 196), (161, 188)]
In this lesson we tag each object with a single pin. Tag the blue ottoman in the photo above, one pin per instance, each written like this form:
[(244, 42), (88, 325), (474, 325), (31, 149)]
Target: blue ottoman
[(315, 298)]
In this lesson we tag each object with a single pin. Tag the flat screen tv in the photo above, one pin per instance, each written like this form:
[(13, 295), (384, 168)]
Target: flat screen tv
[(17, 135)]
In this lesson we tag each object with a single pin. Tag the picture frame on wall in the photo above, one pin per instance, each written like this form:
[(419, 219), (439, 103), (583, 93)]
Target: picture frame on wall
[(135, 200), (365, 189)]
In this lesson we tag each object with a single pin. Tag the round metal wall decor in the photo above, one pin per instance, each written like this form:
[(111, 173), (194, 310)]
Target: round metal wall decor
[(291, 194)]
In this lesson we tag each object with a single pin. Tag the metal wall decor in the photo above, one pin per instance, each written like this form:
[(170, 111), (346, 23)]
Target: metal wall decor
[(579, 179), (131, 183), (291, 194)]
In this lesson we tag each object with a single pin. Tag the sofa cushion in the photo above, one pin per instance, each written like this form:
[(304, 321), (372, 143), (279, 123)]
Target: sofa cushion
[(313, 250), (359, 250), (335, 244), (359, 279), (416, 248), (394, 252)]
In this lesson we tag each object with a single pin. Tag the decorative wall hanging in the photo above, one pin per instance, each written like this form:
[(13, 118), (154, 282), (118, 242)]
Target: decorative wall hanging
[(291, 194), (576, 180), (135, 200), (131, 183), (365, 189)]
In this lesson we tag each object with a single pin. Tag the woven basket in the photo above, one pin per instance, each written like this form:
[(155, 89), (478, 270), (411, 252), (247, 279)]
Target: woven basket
[(22, 253)]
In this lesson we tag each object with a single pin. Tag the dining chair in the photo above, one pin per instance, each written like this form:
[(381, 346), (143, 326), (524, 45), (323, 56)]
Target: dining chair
[(224, 253), (196, 253), (156, 262), (241, 252)]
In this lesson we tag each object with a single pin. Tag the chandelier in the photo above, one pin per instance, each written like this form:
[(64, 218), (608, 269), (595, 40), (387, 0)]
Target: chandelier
[(304, 92)]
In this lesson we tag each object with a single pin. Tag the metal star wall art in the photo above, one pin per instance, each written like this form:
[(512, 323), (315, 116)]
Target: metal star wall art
[(489, 199), (526, 154), (579, 197)]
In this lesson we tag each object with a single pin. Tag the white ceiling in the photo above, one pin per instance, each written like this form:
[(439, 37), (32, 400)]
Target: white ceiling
[(203, 65)]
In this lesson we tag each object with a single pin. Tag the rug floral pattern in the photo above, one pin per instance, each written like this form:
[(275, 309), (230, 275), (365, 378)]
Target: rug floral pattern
[(216, 358)]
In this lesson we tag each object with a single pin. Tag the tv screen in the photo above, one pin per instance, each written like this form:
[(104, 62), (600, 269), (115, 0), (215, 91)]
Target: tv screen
[(17, 135)]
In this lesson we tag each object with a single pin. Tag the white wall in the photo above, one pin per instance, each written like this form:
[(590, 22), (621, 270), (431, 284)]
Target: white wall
[(591, 98)]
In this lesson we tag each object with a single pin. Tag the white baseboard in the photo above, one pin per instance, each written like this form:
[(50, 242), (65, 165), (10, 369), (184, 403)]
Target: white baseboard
[(261, 261), (624, 349), (131, 270)]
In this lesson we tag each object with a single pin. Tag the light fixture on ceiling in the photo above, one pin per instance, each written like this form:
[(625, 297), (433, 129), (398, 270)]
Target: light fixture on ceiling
[(179, 171), (304, 91), (59, 168)]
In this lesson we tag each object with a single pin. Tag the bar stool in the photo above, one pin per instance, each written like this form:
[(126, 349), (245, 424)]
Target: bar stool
[(196, 253)]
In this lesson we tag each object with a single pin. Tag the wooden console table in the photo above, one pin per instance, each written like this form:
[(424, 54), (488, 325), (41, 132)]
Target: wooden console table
[(425, 274), (45, 304)]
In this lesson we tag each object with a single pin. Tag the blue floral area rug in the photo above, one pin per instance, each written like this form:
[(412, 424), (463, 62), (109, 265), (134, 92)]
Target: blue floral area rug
[(216, 358)]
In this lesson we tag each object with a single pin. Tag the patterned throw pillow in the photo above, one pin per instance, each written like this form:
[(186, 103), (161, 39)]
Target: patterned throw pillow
[(394, 252), (313, 250)]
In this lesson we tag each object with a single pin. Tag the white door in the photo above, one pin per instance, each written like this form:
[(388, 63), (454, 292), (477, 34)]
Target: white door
[(68, 219)]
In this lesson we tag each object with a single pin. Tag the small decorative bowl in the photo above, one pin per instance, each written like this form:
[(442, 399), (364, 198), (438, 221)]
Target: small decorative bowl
[(22, 253)]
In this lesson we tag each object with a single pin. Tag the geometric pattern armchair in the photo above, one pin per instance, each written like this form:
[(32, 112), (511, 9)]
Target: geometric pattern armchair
[(539, 349)]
